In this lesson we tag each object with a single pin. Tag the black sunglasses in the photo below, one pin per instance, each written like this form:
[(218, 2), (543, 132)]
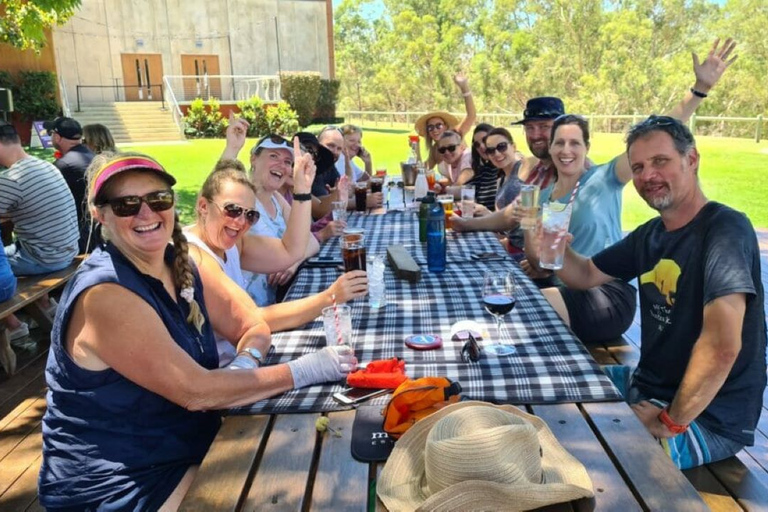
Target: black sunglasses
[(450, 148), (128, 206), (471, 350), (500, 147), (433, 127), (234, 211)]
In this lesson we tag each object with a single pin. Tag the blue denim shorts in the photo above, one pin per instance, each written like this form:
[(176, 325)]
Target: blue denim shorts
[(23, 264), (696, 446)]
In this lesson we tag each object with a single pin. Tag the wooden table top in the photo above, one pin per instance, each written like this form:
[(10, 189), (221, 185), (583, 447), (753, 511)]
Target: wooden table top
[(280, 462)]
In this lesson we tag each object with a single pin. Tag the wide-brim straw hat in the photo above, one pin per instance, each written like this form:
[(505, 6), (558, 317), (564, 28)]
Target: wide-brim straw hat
[(479, 456), (450, 120)]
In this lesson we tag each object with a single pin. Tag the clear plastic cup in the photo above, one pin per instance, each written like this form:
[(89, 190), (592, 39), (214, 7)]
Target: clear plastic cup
[(554, 222), (339, 210), (468, 202), (529, 202), (344, 323)]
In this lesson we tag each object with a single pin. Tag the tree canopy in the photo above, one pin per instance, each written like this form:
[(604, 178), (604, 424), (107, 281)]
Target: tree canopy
[(600, 56), (23, 22)]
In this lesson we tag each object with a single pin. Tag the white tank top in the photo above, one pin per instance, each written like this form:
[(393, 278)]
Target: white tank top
[(231, 267)]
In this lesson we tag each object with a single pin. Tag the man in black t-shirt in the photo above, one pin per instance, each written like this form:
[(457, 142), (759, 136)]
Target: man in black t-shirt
[(698, 386), (66, 135)]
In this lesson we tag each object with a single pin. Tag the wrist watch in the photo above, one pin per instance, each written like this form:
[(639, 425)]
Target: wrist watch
[(253, 353), (670, 423)]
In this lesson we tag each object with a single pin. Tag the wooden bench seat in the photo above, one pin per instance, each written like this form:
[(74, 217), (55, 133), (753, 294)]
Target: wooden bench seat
[(737, 483), (28, 291)]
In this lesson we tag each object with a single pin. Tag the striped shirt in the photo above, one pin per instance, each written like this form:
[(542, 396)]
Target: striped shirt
[(34, 195), (486, 181)]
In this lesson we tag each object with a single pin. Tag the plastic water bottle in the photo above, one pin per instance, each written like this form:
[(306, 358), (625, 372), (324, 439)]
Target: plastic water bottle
[(426, 203), (377, 296), (436, 238), (421, 187)]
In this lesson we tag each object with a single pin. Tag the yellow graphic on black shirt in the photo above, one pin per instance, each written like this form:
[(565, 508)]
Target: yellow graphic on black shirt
[(664, 276)]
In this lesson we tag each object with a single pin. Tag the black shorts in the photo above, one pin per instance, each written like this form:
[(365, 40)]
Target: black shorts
[(602, 313)]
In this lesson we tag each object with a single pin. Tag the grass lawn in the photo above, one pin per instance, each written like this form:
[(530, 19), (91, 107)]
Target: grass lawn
[(733, 171)]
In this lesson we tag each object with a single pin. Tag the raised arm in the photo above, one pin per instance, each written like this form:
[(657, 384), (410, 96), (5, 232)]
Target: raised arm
[(257, 253), (236, 134), (498, 221), (707, 74), (469, 104)]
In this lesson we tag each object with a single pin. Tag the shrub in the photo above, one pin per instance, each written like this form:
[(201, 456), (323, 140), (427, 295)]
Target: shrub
[(252, 110), (204, 120), (301, 91), (282, 119), (325, 110), (35, 96)]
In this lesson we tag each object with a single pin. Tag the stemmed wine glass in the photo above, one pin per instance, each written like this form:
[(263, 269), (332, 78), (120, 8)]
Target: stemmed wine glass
[(499, 299)]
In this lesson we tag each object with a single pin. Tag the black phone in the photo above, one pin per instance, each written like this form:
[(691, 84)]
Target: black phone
[(352, 396), (487, 256)]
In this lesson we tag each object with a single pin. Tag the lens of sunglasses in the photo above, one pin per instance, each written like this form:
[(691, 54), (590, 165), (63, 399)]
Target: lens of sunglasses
[(433, 127), (450, 148), (234, 211), (500, 147), (128, 206)]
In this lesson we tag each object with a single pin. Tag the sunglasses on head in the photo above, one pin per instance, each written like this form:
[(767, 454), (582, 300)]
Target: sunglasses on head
[(128, 206), (234, 211), (275, 139), (436, 126), (501, 147), (471, 350), (450, 148)]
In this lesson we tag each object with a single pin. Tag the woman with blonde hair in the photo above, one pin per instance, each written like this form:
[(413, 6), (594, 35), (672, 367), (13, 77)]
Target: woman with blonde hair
[(432, 125), (98, 138), (353, 147), (220, 208), (134, 384)]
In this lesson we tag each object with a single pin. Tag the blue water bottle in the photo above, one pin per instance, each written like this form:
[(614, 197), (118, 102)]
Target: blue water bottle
[(436, 238)]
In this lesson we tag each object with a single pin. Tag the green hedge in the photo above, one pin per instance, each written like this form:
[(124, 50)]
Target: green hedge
[(34, 94), (206, 121), (325, 109), (301, 90)]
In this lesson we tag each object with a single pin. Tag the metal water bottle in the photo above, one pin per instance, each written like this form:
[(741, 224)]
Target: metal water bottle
[(426, 203), (436, 238)]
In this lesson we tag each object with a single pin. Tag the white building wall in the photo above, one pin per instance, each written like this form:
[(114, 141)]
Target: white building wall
[(241, 33)]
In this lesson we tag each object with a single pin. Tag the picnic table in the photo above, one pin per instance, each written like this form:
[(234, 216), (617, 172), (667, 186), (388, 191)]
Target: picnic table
[(270, 456)]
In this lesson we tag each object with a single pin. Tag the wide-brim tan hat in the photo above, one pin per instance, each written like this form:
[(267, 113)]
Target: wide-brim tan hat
[(450, 120), (480, 456)]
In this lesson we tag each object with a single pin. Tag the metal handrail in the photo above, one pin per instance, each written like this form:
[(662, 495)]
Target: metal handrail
[(118, 87), (175, 109), (64, 98)]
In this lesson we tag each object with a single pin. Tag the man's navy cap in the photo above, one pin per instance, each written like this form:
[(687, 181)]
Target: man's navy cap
[(542, 108), (64, 126)]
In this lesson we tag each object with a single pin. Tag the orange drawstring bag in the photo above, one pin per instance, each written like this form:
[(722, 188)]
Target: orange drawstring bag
[(382, 374), (417, 399)]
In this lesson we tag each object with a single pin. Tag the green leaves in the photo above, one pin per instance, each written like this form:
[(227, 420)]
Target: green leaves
[(23, 22), (600, 56)]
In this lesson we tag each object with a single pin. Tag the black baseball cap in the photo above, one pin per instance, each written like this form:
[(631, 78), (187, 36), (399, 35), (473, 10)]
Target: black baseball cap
[(542, 108), (320, 154), (7, 129), (64, 126)]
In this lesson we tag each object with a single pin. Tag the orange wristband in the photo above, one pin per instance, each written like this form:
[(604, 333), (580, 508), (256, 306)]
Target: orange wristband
[(670, 424)]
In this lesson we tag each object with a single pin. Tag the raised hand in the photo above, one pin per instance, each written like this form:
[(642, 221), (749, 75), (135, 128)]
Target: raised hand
[(712, 68), (303, 169), (236, 133), (462, 81)]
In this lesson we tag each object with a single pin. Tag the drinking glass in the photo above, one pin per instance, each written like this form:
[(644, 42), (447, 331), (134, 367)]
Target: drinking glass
[(499, 299)]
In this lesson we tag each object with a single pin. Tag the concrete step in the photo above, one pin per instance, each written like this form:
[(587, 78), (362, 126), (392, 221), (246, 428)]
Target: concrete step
[(132, 121)]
